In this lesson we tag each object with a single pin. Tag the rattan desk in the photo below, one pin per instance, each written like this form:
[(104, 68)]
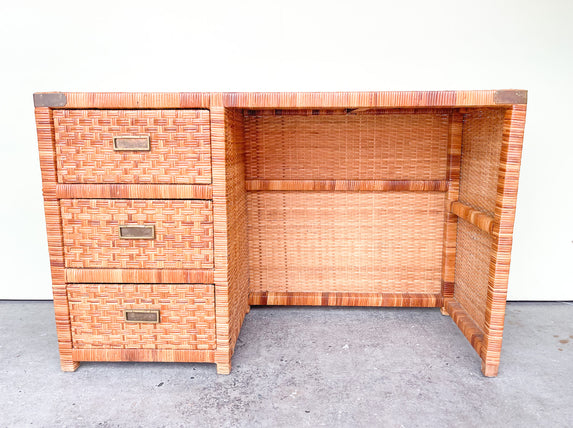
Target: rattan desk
[(168, 214)]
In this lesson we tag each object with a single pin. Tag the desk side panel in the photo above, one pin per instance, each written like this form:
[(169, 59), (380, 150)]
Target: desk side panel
[(45, 130), (229, 210)]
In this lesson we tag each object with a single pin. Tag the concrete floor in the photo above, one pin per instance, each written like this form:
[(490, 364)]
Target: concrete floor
[(303, 367)]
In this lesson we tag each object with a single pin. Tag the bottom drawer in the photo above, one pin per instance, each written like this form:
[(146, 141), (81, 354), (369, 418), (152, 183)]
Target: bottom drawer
[(142, 316)]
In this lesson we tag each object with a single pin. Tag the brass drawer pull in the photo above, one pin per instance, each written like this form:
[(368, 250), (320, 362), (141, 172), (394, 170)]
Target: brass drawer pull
[(144, 316), (131, 143), (137, 232)]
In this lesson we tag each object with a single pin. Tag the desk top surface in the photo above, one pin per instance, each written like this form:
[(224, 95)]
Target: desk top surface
[(391, 99)]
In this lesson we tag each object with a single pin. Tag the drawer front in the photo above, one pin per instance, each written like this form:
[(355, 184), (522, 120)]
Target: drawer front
[(174, 146), (185, 315), (137, 234)]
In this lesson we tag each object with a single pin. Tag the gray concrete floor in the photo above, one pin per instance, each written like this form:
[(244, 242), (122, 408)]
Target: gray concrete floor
[(302, 366)]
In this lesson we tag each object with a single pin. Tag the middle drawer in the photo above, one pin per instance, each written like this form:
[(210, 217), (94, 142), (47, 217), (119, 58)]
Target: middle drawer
[(137, 234)]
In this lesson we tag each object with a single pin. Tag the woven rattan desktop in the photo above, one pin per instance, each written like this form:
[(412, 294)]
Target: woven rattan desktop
[(168, 214)]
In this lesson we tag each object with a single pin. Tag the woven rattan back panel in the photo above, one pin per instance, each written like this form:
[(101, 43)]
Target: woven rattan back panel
[(481, 149), (333, 145), (186, 318), (360, 242), (183, 233), (180, 150), (473, 257)]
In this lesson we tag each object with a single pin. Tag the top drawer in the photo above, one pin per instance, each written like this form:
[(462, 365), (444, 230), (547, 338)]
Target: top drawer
[(179, 150)]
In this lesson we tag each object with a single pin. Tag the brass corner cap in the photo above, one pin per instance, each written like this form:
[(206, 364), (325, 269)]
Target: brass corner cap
[(50, 99), (510, 96)]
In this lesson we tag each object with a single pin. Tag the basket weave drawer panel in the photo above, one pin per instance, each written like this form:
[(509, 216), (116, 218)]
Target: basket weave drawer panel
[(359, 242), (381, 146), (183, 234), (180, 146), (187, 316)]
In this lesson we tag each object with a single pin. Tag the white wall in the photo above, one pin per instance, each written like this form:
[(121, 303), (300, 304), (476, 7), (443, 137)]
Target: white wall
[(294, 46)]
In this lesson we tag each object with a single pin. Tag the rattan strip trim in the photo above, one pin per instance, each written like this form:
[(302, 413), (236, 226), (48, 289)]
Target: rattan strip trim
[(479, 219), (466, 324), (174, 276), (450, 220), (114, 100), (220, 221), (149, 355), (349, 185), (426, 300), (362, 111), (179, 151), (133, 191), (362, 99)]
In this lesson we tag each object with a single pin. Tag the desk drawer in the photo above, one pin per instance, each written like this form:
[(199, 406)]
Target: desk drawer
[(137, 234), (133, 146), (142, 316)]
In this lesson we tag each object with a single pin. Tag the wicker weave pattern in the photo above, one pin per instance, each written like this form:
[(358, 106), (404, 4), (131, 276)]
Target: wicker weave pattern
[(482, 136), (180, 146), (187, 316), (472, 269), (183, 234), (361, 242), (384, 146)]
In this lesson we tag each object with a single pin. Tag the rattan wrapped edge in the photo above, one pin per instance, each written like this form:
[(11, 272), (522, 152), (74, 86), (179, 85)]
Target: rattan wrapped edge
[(390, 99)]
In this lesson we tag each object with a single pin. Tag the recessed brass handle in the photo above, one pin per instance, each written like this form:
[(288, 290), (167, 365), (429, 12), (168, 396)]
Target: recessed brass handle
[(144, 316), (131, 143), (136, 232)]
